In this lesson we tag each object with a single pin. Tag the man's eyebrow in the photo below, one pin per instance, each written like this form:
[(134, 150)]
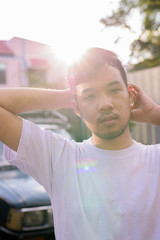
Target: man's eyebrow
[(113, 83), (84, 91)]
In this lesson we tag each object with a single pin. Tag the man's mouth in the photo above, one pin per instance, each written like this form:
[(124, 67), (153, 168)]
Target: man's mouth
[(108, 119)]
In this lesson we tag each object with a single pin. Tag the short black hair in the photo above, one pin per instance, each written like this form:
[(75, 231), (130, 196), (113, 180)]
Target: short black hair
[(92, 61)]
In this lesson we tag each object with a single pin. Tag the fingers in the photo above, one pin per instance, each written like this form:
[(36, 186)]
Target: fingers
[(133, 93), (134, 88), (142, 104)]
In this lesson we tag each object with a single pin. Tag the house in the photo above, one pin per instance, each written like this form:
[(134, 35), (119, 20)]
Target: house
[(28, 63)]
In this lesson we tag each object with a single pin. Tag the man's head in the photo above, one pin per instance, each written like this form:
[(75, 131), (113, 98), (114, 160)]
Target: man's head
[(91, 63), (102, 100)]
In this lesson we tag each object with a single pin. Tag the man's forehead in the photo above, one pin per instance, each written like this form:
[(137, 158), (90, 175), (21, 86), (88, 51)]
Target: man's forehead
[(107, 76)]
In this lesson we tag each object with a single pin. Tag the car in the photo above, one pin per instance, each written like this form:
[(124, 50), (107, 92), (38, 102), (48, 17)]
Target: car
[(25, 208)]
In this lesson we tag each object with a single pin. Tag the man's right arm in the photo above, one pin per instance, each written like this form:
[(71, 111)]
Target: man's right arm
[(17, 100), (10, 128)]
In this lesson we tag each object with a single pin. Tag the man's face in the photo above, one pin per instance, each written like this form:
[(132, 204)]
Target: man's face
[(103, 104)]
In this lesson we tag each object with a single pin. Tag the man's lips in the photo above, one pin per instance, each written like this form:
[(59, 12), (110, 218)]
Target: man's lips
[(108, 118)]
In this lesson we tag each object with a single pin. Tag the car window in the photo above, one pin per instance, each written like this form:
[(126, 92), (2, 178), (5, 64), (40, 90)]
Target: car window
[(4, 165), (1, 152)]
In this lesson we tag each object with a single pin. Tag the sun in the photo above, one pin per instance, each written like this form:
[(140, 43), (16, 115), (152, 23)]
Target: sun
[(68, 53)]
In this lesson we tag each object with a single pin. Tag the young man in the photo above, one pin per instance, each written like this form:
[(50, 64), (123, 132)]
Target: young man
[(107, 187)]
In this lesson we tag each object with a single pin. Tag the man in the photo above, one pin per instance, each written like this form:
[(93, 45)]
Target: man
[(107, 187)]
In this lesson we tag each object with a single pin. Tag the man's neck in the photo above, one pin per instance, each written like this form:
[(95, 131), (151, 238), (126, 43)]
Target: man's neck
[(119, 143)]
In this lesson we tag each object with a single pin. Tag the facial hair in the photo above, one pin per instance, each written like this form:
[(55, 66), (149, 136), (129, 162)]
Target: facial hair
[(112, 134), (109, 133)]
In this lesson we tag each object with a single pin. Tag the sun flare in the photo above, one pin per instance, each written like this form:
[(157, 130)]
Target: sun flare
[(68, 54)]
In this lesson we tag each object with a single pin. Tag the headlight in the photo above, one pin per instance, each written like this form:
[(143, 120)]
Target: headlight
[(27, 219), (32, 219)]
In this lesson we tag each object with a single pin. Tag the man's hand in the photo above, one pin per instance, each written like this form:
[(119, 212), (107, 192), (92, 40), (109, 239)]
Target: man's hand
[(144, 109)]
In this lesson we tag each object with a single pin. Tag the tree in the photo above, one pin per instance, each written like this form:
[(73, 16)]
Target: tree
[(145, 49)]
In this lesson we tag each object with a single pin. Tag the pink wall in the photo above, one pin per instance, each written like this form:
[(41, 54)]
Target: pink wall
[(29, 48), (31, 55), (14, 73)]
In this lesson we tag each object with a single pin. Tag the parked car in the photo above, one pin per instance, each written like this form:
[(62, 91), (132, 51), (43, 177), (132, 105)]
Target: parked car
[(25, 208)]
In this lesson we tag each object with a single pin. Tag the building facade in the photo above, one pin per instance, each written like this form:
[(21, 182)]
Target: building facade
[(28, 63)]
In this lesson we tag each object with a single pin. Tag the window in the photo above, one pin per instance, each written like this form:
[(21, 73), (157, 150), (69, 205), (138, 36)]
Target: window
[(2, 73)]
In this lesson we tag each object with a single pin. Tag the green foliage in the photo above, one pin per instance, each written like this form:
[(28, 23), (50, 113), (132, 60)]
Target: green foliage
[(120, 16), (145, 49), (77, 129), (37, 78), (131, 125)]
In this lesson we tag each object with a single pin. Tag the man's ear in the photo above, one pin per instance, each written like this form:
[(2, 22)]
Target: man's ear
[(76, 108), (131, 98)]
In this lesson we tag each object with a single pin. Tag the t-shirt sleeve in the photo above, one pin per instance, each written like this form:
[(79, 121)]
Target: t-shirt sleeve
[(36, 153)]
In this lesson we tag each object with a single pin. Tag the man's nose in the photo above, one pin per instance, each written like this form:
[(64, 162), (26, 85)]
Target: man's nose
[(105, 104)]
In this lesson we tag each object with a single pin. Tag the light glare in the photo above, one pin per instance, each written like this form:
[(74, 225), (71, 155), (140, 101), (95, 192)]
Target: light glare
[(68, 54)]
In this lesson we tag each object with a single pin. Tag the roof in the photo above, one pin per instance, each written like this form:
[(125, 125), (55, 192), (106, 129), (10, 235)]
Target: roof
[(4, 50), (38, 63)]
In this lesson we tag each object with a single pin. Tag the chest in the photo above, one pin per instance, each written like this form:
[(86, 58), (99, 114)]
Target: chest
[(110, 197), (115, 189)]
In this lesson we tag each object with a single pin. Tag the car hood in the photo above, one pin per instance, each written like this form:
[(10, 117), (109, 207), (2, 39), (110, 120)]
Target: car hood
[(21, 190)]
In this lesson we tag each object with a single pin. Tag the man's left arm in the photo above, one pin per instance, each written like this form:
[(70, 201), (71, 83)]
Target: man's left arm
[(144, 108)]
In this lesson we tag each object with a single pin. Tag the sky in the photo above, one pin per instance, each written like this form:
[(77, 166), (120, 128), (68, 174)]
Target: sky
[(69, 26)]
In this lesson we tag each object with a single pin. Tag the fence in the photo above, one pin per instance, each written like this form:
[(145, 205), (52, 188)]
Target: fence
[(149, 80)]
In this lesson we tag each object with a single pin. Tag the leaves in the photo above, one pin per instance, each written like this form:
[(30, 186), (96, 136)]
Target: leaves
[(145, 49)]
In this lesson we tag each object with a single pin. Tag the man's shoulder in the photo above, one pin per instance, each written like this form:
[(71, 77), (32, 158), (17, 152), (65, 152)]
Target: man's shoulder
[(151, 151)]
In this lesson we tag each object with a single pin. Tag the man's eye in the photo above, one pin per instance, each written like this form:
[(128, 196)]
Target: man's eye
[(90, 97), (115, 90)]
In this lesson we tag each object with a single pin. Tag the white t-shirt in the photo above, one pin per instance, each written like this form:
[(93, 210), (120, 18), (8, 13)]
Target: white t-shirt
[(96, 194)]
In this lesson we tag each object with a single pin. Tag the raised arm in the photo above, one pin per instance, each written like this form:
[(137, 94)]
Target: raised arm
[(144, 108), (17, 100)]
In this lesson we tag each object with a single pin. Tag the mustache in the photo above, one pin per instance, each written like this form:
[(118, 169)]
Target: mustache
[(107, 116)]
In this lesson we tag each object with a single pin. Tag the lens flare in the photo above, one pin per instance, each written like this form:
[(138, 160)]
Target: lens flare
[(85, 167)]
